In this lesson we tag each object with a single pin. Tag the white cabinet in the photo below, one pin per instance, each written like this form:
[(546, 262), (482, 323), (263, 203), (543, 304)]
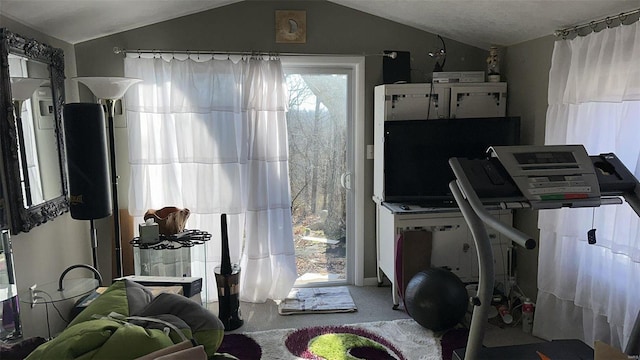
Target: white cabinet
[(452, 245)]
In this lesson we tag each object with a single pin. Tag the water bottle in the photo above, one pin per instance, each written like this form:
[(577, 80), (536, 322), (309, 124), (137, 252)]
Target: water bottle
[(527, 315)]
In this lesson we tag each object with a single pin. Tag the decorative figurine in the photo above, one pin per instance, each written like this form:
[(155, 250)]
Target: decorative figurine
[(170, 219), (493, 65)]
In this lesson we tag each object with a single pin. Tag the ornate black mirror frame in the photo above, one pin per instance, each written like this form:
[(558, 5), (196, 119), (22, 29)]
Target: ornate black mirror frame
[(16, 217)]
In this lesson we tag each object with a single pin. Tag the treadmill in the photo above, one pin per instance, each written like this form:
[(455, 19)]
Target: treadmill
[(534, 177)]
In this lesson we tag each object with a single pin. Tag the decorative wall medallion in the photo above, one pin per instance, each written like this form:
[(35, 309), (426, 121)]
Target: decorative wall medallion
[(291, 26)]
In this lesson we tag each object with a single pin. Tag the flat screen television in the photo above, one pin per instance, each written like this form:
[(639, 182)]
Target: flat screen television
[(417, 152)]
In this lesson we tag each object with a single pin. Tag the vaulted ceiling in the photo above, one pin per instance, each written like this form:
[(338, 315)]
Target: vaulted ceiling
[(474, 22)]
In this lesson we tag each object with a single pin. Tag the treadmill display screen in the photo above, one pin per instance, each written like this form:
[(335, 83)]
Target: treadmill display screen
[(555, 157)]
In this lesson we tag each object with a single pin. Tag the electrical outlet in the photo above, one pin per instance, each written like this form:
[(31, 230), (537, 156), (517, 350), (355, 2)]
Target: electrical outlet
[(32, 294)]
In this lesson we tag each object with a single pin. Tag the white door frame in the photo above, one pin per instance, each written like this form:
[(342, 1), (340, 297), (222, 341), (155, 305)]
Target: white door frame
[(356, 147)]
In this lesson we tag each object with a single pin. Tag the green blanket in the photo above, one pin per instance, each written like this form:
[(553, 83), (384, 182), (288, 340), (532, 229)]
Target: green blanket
[(127, 322)]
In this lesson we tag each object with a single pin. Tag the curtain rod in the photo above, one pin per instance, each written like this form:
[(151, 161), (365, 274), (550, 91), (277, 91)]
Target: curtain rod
[(594, 24), (117, 50)]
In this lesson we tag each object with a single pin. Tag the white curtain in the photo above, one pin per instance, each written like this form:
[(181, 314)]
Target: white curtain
[(592, 292), (211, 136)]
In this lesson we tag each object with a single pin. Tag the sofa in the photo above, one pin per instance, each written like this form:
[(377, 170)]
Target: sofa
[(127, 322)]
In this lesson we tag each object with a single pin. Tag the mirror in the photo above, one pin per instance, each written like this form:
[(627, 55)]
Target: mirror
[(32, 91)]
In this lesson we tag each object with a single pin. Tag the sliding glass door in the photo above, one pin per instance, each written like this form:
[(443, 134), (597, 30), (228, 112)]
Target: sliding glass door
[(320, 122)]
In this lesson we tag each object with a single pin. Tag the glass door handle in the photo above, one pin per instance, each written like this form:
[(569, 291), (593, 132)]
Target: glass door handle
[(345, 180)]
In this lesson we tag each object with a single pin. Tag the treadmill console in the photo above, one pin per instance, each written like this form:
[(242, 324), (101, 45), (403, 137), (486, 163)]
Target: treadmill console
[(551, 176), (539, 177)]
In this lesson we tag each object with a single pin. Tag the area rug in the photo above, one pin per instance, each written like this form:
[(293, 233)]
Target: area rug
[(383, 340), (332, 299)]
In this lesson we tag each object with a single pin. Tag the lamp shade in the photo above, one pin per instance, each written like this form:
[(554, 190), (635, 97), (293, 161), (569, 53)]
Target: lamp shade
[(22, 88), (108, 88)]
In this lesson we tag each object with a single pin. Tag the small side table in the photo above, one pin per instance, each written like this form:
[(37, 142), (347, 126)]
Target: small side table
[(178, 243), (174, 250), (50, 292), (185, 239), (11, 328)]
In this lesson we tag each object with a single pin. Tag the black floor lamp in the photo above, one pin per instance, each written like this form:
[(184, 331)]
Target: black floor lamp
[(110, 90)]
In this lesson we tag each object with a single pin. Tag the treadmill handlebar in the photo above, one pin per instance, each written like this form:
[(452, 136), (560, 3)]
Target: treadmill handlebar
[(514, 234), (633, 199)]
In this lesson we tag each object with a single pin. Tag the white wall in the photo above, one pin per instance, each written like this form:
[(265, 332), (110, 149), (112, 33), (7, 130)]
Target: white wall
[(527, 72)]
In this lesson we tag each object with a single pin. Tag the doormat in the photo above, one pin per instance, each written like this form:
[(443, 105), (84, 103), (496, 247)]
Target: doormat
[(317, 301), (401, 339)]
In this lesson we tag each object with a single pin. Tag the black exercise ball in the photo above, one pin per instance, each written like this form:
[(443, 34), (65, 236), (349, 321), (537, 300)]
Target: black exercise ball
[(436, 299)]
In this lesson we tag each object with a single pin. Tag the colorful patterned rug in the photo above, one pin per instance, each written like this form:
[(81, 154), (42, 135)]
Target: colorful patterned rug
[(384, 340)]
